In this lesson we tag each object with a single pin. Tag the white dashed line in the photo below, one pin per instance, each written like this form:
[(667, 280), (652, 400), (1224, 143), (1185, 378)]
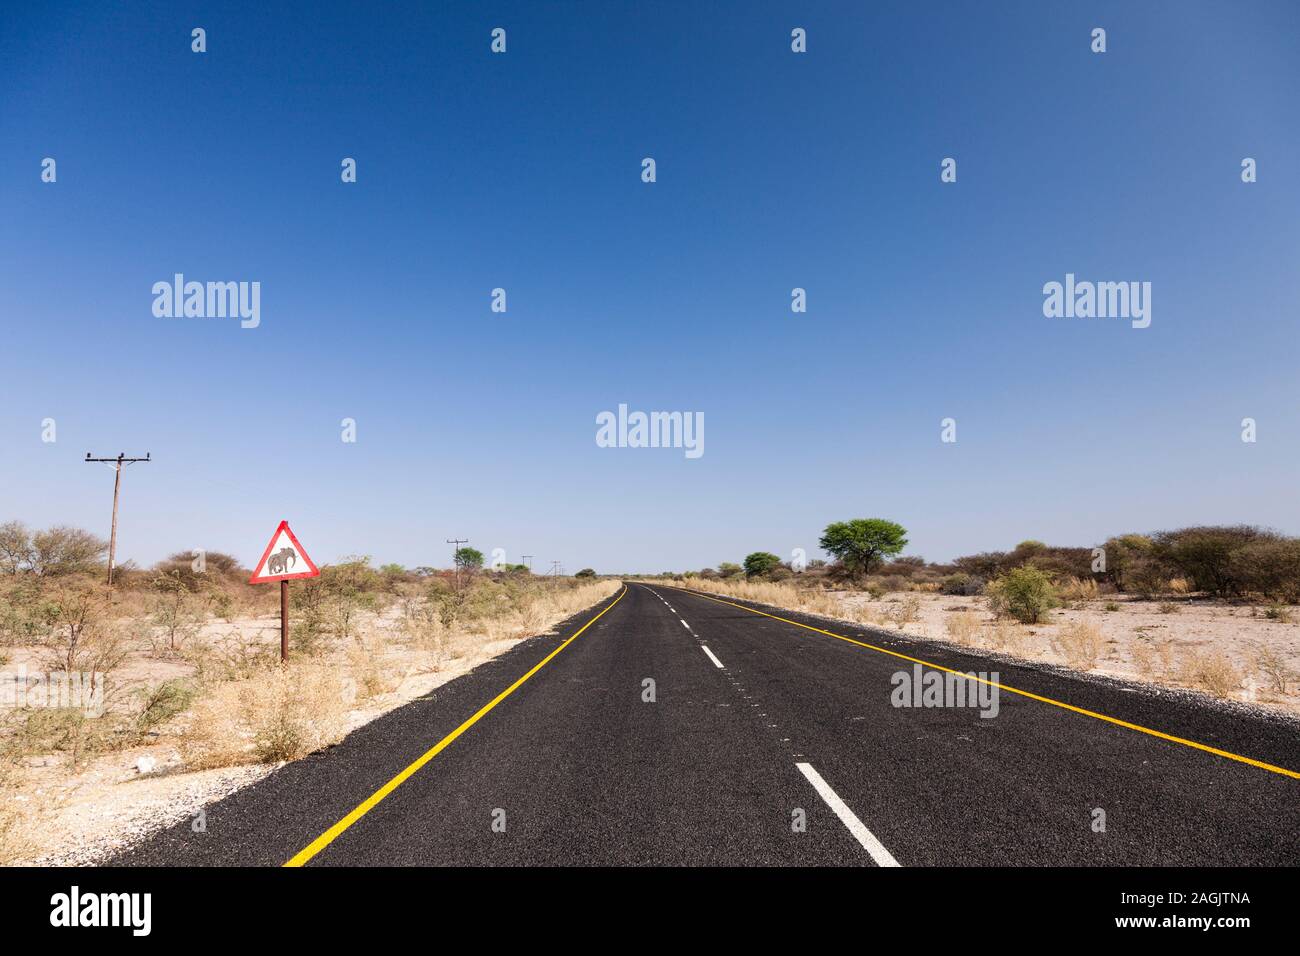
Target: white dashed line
[(712, 656), (848, 817), (685, 625)]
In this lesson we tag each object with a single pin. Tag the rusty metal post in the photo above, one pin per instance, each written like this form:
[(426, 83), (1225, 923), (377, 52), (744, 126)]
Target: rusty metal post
[(284, 621)]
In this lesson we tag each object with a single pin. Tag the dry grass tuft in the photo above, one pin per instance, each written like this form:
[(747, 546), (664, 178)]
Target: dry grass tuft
[(1081, 644), (963, 627), (866, 615), (1211, 671), (1153, 659), (904, 612), (1078, 589), (1009, 637), (1271, 664), (280, 714)]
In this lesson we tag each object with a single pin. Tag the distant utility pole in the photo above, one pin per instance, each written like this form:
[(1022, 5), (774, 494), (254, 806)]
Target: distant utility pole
[(457, 542), (555, 569), (528, 562), (118, 462)]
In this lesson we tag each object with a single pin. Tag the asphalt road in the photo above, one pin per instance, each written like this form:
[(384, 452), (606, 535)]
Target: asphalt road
[(757, 725)]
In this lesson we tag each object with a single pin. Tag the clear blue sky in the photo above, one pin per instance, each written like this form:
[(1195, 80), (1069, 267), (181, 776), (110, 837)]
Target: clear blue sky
[(522, 170)]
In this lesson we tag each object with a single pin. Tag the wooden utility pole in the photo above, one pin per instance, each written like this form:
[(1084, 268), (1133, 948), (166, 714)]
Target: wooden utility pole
[(117, 462), (456, 564)]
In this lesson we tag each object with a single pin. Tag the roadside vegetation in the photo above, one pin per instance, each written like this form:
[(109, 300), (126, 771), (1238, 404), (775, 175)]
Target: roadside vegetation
[(1205, 607), (185, 655)]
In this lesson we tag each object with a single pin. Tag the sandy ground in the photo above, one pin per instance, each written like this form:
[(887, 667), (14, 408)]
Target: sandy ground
[(79, 817)]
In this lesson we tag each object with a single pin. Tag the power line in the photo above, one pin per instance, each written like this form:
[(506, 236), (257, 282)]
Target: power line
[(118, 462)]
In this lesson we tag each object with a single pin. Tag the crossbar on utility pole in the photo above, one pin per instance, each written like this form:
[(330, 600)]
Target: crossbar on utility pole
[(117, 462)]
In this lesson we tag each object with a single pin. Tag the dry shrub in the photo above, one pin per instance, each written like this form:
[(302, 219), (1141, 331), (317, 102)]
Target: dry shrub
[(368, 668), (1279, 612), (1009, 637), (1078, 589), (1168, 607), (16, 816), (963, 627), (422, 628), (904, 612), (865, 615), (1270, 664), (1179, 586), (894, 583), (531, 618), (281, 714), (231, 657), (814, 602), (779, 594), (461, 625), (1081, 644), (552, 606), (1151, 658), (1211, 671)]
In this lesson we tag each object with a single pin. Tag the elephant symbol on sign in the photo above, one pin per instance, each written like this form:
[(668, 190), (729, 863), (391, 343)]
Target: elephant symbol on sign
[(280, 561)]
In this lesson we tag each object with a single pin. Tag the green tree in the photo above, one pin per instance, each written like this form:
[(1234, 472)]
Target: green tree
[(586, 573), (729, 569), (468, 559), (861, 544), (760, 562), (1203, 554)]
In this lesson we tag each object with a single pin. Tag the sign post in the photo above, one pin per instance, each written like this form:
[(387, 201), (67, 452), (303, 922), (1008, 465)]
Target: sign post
[(284, 621), (284, 560)]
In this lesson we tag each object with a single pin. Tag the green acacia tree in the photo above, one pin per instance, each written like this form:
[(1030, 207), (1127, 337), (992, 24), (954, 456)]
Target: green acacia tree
[(468, 559), (861, 544), (760, 562)]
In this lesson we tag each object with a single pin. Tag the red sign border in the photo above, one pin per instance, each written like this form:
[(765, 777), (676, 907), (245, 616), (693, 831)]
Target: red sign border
[(268, 579)]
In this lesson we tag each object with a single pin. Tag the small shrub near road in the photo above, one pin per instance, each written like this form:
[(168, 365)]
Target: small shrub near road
[(1081, 644), (963, 627), (1211, 671), (906, 611), (1023, 593)]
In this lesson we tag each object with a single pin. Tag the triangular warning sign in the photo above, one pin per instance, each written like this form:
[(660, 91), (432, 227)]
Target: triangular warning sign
[(284, 559)]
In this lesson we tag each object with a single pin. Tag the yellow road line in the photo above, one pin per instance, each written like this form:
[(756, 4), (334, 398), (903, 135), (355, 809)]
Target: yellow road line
[(333, 833), (1023, 693)]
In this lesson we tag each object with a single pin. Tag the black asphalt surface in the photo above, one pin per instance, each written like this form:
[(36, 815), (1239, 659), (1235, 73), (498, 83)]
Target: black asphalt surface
[(584, 771)]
